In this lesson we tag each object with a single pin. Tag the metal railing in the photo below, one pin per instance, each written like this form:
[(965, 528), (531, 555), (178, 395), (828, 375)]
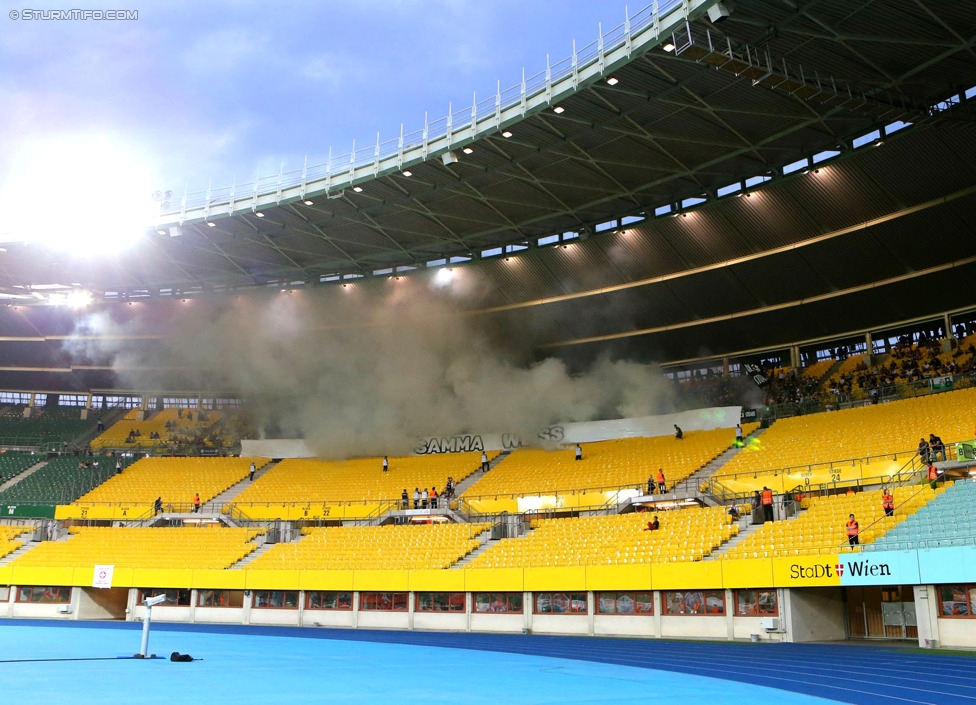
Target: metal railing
[(479, 117)]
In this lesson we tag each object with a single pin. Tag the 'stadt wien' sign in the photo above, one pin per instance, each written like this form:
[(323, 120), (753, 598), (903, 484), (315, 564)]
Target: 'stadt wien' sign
[(853, 568)]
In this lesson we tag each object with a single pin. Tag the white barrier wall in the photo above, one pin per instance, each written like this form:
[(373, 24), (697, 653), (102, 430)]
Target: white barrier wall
[(556, 434)]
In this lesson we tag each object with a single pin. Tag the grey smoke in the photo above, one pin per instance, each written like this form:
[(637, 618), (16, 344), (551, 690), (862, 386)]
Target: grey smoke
[(358, 372)]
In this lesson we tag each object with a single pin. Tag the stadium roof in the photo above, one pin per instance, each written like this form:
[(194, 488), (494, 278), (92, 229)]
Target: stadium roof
[(708, 100)]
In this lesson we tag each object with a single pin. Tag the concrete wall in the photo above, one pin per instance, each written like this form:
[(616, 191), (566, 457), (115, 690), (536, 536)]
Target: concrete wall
[(694, 627), (624, 625), (217, 615), (577, 624), (102, 603), (440, 621), (814, 614), (278, 616), (384, 620), (487, 622), (329, 618)]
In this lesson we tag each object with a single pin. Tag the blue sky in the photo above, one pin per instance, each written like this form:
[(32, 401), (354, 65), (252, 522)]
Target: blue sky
[(194, 91)]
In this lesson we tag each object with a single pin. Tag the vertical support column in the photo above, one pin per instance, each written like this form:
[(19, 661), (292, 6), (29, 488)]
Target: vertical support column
[(795, 357), (248, 600), (730, 614), (869, 355), (527, 611), (355, 610), (947, 326), (658, 613), (590, 612), (725, 367), (411, 603)]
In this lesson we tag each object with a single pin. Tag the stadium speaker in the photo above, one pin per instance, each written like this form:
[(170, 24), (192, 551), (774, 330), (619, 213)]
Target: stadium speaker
[(718, 11), (449, 158)]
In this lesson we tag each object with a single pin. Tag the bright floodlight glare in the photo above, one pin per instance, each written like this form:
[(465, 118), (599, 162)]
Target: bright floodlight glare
[(357, 189), (468, 150), (613, 81), (86, 195), (668, 47), (444, 276)]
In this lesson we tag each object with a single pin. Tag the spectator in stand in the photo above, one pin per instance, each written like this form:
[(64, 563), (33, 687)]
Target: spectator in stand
[(416, 498), (196, 502), (660, 481), (433, 498), (158, 505), (678, 433), (424, 498), (404, 500), (653, 525), (251, 471), (937, 447), (756, 501), (484, 461), (650, 486), (734, 511), (738, 435), (450, 488), (923, 450), (579, 452), (933, 475), (853, 529), (386, 463)]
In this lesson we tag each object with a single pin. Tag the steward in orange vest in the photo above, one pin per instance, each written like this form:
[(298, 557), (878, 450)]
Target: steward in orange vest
[(888, 503), (853, 529), (767, 504)]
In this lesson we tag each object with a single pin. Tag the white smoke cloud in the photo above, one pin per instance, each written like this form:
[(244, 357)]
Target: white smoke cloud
[(356, 374)]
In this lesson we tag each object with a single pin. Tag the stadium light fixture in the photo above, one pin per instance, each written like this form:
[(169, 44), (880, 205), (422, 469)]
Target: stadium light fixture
[(309, 202), (259, 214), (161, 232), (612, 81), (559, 110), (506, 134), (468, 150), (357, 189), (407, 172), (211, 224), (669, 47)]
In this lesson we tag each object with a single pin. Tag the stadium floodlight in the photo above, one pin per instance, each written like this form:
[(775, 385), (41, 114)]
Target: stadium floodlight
[(506, 134), (211, 224), (668, 47), (559, 110), (407, 172), (613, 81), (308, 202), (357, 189), (259, 214), (468, 150)]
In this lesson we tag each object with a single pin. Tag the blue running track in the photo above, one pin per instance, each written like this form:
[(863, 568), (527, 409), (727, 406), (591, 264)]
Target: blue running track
[(90, 662)]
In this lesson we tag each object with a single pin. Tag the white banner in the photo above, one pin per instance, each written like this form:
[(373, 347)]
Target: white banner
[(102, 577)]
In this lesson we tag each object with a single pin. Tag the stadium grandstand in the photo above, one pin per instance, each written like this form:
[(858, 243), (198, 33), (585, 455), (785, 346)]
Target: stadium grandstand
[(674, 340)]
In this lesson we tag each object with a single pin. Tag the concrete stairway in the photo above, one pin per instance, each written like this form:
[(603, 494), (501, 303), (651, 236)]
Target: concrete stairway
[(20, 476), (19, 552), (477, 474), (694, 481), (486, 543), (249, 558), (231, 492), (746, 529)]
